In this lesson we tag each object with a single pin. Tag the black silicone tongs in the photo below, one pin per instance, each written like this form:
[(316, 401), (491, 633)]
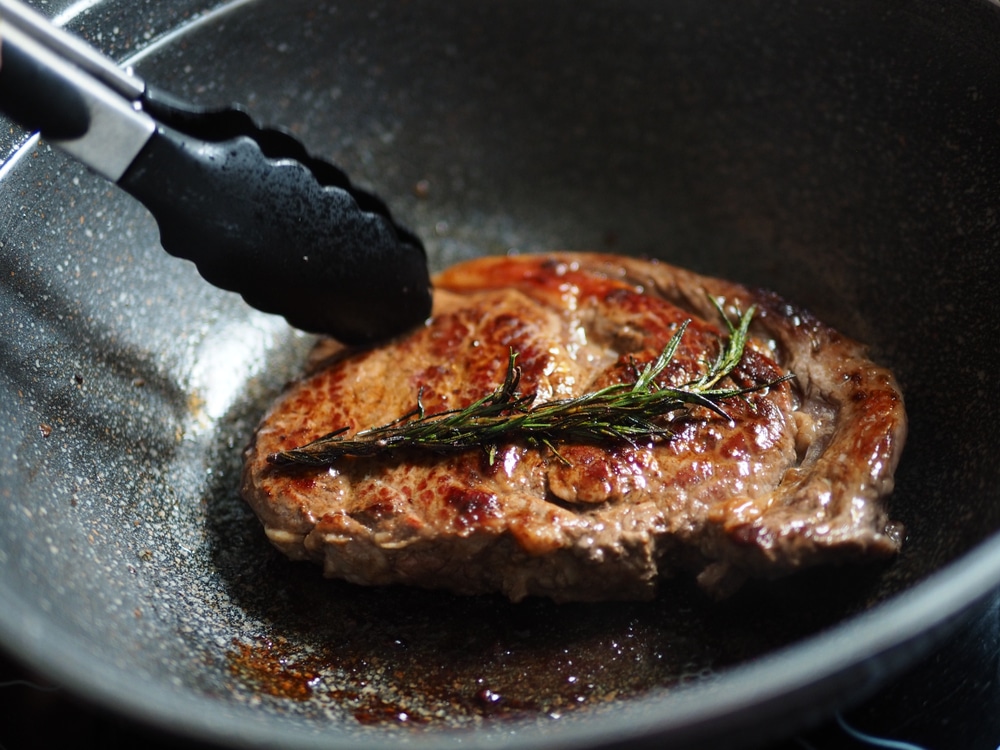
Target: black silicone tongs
[(248, 205)]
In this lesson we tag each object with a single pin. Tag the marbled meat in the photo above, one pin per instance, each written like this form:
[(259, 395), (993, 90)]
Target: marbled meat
[(796, 477)]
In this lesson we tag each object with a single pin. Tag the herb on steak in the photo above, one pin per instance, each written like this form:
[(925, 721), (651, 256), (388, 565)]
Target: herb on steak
[(623, 412)]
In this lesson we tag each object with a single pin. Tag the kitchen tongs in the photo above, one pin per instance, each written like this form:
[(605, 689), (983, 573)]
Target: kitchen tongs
[(248, 205)]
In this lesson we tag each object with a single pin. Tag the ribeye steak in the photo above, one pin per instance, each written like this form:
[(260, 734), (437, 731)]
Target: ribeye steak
[(797, 476)]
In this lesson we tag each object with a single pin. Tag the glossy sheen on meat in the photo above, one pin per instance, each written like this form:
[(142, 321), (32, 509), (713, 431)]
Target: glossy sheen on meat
[(796, 478)]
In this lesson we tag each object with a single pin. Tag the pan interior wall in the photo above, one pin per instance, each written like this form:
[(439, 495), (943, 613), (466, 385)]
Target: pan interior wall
[(819, 151)]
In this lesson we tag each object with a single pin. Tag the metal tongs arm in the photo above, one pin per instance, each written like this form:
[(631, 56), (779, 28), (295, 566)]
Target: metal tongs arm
[(52, 82)]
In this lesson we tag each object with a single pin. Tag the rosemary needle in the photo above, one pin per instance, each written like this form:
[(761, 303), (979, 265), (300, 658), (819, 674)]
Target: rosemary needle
[(623, 412)]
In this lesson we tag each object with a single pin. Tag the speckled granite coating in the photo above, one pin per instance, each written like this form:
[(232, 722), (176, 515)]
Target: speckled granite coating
[(844, 156)]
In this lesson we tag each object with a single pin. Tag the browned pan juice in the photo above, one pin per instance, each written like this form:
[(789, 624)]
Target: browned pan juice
[(415, 658)]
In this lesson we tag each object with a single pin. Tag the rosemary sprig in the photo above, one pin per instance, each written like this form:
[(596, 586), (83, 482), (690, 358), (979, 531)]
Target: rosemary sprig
[(623, 412)]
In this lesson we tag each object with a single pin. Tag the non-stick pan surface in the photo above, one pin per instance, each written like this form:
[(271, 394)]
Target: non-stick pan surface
[(842, 154)]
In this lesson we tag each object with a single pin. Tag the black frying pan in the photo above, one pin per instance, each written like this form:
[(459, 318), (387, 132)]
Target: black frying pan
[(842, 154)]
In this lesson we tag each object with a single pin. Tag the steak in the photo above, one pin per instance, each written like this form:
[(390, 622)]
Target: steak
[(793, 475)]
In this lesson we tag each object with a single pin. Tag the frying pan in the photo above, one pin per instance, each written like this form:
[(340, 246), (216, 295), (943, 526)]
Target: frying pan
[(843, 154)]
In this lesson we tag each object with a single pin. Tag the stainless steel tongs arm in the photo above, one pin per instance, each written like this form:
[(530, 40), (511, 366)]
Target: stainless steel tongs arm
[(80, 100)]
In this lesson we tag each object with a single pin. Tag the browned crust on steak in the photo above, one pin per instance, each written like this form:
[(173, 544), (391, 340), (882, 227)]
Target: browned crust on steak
[(796, 479)]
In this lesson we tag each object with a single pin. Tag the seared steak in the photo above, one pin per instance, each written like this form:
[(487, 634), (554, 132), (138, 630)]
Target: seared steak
[(796, 477)]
